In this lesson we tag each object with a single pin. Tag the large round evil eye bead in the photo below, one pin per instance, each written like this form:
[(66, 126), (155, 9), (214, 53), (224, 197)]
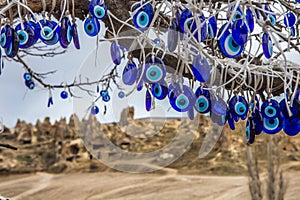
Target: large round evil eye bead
[(115, 52), (64, 95), (75, 36), (250, 132), (27, 35), (13, 48), (240, 32), (182, 100), (159, 90), (129, 75), (155, 70), (173, 35), (267, 45), (290, 19), (143, 16), (272, 126), (212, 27), (49, 32), (95, 110), (250, 19), (270, 109), (238, 106), (201, 68), (91, 26), (227, 45), (203, 103), (98, 10), (294, 108), (6, 36), (65, 34)]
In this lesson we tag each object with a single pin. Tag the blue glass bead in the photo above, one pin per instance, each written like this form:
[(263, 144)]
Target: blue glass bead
[(272, 18), (199, 32), (6, 36), (272, 126), (173, 35), (173, 87), (191, 114), (129, 75), (30, 84), (49, 32), (295, 109), (293, 31), (230, 121), (218, 119), (219, 106), (64, 95), (203, 103), (250, 131), (65, 34), (13, 48), (50, 101), (267, 45), (98, 9), (115, 53), (159, 90), (290, 19), (155, 70), (106, 98), (148, 101), (270, 110), (121, 95), (95, 110), (250, 19), (212, 27), (201, 68), (227, 44), (182, 100), (103, 93), (238, 13), (27, 76), (91, 26), (291, 125), (75, 36), (143, 16), (27, 36), (238, 106), (240, 32)]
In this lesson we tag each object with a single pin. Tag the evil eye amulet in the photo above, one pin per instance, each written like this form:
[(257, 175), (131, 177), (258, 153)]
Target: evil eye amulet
[(291, 125), (201, 68), (30, 84), (290, 19), (238, 107), (272, 126), (91, 26), (159, 90), (250, 131), (75, 36), (6, 36), (267, 45), (184, 100), (27, 76), (203, 103), (173, 35), (227, 45), (49, 32), (97, 9), (94, 110), (13, 48), (155, 70), (143, 16), (238, 13), (270, 110), (64, 95), (115, 53), (129, 75), (212, 27), (240, 32), (65, 34), (250, 19), (148, 101), (27, 36)]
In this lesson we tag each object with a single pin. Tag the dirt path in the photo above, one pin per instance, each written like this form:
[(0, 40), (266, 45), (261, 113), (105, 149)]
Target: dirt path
[(121, 186)]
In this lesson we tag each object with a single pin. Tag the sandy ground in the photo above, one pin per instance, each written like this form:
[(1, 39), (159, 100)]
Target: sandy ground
[(96, 186)]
